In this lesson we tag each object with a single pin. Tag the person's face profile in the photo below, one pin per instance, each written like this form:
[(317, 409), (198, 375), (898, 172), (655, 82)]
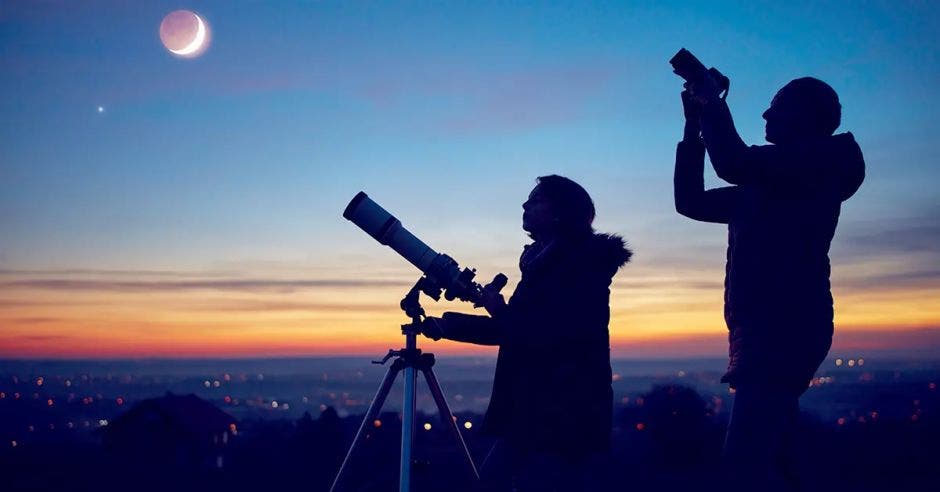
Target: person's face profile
[(537, 217), (781, 118)]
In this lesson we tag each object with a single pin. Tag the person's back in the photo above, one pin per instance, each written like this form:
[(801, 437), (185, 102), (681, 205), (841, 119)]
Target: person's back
[(557, 395)]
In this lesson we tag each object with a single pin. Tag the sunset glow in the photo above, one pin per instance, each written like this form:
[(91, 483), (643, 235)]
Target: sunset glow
[(199, 214)]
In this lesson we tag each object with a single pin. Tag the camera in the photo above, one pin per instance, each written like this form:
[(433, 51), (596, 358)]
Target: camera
[(687, 66)]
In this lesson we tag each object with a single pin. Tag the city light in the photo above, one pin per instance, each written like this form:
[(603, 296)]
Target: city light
[(838, 362), (468, 425), (376, 423), (640, 426), (427, 426), (274, 404)]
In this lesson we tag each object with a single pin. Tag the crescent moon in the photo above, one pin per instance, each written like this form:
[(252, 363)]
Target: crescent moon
[(197, 41)]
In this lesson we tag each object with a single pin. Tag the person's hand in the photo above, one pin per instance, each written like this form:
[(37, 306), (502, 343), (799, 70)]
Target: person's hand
[(705, 90), (493, 302), (432, 328)]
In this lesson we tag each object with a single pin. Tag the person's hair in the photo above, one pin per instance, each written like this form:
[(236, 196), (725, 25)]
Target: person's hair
[(570, 202), (816, 102)]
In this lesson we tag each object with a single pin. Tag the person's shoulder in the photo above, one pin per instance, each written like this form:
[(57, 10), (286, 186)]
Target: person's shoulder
[(607, 252)]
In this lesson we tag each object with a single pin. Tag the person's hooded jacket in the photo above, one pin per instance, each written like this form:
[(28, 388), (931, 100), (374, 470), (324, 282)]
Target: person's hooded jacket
[(782, 214), (552, 386)]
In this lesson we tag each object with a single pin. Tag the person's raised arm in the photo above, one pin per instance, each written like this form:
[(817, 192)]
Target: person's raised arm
[(691, 198), (728, 153)]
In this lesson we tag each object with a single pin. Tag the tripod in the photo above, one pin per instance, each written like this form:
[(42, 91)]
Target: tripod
[(408, 359)]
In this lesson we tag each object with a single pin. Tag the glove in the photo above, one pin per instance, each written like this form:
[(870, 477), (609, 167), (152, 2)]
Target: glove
[(433, 328)]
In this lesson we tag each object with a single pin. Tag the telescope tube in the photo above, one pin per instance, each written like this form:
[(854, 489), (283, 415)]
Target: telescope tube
[(387, 230)]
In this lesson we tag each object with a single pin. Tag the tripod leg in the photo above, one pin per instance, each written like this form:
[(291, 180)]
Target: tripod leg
[(407, 430), (448, 417), (373, 411)]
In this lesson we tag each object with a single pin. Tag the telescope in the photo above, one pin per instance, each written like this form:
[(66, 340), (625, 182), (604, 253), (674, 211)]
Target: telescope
[(442, 273)]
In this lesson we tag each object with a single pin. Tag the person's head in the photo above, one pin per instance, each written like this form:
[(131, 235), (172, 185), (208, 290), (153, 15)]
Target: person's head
[(557, 206), (804, 108)]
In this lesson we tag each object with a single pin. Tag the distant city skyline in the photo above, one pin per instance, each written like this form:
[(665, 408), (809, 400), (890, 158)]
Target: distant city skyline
[(153, 206)]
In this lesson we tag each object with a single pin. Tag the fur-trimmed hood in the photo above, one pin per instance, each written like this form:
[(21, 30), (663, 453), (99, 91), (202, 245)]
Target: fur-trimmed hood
[(609, 250), (599, 252)]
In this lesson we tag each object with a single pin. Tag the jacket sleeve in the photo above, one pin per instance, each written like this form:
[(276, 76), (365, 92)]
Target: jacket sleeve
[(729, 154), (691, 198), (481, 330), (774, 166)]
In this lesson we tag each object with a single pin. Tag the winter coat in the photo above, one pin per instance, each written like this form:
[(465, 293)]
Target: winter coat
[(782, 212), (551, 390)]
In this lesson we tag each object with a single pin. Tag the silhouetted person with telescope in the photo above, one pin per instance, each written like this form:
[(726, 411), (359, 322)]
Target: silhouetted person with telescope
[(552, 402), (781, 210)]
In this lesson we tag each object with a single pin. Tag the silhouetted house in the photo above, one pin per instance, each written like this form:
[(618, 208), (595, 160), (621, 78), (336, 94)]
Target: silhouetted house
[(180, 431)]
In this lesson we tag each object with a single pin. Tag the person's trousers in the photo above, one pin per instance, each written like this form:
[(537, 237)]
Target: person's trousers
[(759, 449), (508, 468)]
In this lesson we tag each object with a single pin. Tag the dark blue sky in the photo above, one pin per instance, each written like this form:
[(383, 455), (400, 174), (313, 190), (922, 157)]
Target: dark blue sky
[(238, 163)]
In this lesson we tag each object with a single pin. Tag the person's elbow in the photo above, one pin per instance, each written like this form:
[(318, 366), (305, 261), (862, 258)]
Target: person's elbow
[(728, 174), (729, 161), (685, 207)]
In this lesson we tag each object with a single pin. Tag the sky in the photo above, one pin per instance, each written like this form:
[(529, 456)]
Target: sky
[(154, 206)]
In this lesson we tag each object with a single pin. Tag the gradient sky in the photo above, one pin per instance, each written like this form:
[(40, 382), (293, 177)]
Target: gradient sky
[(200, 212)]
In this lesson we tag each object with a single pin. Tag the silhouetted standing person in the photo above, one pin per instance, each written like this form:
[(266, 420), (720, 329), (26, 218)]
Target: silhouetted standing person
[(551, 405), (781, 210)]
